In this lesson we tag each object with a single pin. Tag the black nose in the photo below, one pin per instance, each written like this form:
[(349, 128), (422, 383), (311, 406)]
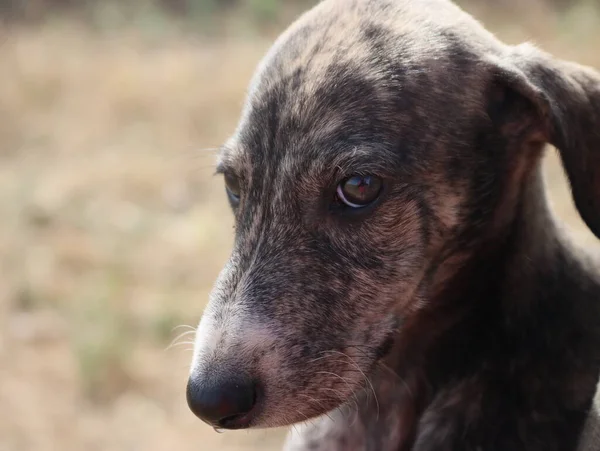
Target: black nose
[(224, 404)]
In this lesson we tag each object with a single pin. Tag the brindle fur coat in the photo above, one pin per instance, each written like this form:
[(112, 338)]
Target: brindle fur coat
[(452, 313)]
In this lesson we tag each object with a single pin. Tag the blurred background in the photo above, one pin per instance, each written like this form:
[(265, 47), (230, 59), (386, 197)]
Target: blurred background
[(112, 228)]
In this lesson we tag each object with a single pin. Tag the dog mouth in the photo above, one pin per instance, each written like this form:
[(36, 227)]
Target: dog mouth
[(226, 397), (368, 367)]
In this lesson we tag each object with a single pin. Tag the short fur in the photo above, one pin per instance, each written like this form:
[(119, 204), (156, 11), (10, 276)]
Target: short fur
[(455, 297)]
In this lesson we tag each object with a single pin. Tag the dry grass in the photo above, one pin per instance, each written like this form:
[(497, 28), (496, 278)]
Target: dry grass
[(113, 229)]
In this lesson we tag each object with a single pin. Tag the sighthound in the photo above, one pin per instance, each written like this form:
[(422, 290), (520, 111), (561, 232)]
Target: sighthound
[(397, 276)]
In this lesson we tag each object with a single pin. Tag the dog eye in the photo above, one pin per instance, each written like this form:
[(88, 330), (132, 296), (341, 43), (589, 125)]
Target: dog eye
[(359, 191), (232, 185)]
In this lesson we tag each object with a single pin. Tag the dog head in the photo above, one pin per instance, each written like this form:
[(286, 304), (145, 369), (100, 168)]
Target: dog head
[(382, 143)]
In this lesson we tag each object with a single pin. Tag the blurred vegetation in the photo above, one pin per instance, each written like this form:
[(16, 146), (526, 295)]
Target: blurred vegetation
[(124, 10), (130, 10)]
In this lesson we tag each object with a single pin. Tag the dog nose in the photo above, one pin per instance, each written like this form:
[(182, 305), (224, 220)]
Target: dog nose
[(224, 404)]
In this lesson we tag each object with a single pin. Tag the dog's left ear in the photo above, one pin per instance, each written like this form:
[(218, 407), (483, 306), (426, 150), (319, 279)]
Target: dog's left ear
[(565, 98)]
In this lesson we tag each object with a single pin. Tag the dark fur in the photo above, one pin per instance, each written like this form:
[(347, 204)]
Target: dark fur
[(455, 294)]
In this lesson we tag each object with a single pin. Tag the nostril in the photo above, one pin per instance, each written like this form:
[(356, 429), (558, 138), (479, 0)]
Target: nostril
[(228, 421), (225, 404), (250, 402)]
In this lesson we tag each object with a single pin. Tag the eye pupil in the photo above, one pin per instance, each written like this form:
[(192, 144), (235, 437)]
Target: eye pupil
[(232, 185), (359, 190)]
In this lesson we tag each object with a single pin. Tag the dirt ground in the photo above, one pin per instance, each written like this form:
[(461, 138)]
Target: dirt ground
[(113, 228)]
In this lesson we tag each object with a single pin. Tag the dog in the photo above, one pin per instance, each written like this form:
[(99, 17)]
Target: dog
[(398, 280)]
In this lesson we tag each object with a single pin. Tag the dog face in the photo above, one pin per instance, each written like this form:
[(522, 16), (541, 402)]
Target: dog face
[(378, 149)]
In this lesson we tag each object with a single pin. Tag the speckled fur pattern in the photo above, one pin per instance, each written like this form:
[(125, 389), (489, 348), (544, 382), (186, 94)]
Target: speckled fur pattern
[(452, 314)]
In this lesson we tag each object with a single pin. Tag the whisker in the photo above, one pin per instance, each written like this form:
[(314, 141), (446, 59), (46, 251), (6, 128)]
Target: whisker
[(295, 430), (339, 398), (401, 379), (183, 334), (181, 326), (365, 377), (320, 403), (390, 370), (187, 332), (298, 411), (181, 343)]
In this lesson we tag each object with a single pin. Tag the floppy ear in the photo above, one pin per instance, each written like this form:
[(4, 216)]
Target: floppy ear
[(566, 98)]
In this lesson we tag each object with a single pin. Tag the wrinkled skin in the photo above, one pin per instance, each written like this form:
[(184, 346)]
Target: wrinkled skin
[(317, 299)]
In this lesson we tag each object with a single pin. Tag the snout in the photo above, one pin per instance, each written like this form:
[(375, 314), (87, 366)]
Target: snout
[(223, 402)]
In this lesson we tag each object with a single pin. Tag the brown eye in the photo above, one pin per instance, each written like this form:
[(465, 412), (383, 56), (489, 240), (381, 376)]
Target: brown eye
[(232, 185), (359, 190)]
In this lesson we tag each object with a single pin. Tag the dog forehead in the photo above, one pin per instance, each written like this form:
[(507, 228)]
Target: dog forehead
[(349, 71), (370, 33)]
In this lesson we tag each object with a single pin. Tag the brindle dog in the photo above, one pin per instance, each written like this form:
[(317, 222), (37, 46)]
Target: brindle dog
[(395, 258)]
